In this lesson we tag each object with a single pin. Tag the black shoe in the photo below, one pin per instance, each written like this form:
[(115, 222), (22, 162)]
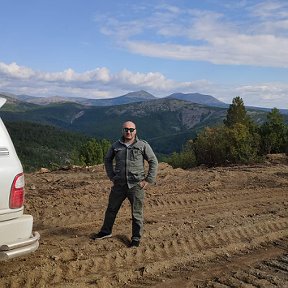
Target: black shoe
[(100, 235), (134, 243)]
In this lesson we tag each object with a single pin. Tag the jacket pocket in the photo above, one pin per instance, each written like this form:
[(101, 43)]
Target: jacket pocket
[(136, 154)]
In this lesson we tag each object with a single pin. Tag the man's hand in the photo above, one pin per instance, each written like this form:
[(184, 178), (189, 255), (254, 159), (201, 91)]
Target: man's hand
[(143, 184)]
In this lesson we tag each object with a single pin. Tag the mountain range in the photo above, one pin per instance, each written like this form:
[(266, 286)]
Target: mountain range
[(167, 123), (132, 97)]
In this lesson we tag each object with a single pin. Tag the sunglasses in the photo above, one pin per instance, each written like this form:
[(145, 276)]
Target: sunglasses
[(129, 129)]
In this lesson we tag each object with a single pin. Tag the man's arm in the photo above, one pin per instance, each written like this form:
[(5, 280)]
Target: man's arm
[(108, 163), (150, 157)]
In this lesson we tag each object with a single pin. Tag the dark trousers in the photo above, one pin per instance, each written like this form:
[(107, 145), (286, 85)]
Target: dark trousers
[(117, 195)]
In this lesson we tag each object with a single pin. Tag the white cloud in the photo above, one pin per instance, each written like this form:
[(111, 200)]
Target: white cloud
[(233, 51), (97, 83), (270, 9), (15, 71), (268, 94), (260, 39)]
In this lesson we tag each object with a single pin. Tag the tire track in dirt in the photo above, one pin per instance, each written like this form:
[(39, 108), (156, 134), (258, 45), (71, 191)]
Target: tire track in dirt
[(261, 269), (270, 273), (182, 230), (127, 264), (193, 219), (179, 202)]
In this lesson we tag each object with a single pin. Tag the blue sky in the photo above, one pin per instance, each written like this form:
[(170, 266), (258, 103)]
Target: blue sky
[(103, 49)]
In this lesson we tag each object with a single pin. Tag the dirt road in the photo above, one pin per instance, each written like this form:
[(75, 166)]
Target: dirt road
[(220, 227)]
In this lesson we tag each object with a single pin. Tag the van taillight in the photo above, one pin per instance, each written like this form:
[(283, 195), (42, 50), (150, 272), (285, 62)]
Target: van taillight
[(17, 192)]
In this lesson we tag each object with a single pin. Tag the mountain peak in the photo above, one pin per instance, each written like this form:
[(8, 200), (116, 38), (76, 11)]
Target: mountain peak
[(142, 94)]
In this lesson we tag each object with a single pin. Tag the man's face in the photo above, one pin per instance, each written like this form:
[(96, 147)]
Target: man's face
[(129, 131)]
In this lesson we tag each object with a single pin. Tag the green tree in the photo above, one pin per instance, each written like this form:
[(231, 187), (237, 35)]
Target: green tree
[(274, 133), (237, 113), (243, 145), (235, 142), (91, 153), (222, 145), (211, 146)]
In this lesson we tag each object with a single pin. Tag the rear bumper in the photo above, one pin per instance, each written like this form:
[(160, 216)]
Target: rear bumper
[(8, 251), (17, 238)]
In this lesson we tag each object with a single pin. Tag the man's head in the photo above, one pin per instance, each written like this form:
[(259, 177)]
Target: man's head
[(129, 131)]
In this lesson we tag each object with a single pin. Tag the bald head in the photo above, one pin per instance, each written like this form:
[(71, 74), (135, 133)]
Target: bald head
[(128, 124), (129, 131)]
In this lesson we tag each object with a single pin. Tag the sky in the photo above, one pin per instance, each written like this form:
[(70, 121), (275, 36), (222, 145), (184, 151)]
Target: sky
[(102, 49)]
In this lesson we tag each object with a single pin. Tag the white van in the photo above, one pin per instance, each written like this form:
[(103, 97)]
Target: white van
[(16, 236)]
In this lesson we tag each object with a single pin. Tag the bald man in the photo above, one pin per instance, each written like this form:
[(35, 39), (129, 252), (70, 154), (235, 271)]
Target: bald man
[(129, 180)]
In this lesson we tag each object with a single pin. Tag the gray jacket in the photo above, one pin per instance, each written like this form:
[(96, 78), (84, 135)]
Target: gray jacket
[(129, 163)]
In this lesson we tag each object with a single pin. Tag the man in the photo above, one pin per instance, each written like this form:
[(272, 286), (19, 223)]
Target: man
[(129, 180)]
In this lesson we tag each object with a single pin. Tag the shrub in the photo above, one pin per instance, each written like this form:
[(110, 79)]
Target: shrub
[(222, 145), (184, 159), (274, 133), (211, 146)]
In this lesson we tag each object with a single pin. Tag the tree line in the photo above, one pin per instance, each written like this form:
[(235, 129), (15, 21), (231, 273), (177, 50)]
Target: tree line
[(238, 140), (40, 145)]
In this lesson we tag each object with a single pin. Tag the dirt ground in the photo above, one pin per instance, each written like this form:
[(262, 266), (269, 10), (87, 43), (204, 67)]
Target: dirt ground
[(206, 227)]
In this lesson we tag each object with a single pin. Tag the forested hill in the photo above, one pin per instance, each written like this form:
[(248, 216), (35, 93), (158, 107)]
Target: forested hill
[(166, 123), (42, 145)]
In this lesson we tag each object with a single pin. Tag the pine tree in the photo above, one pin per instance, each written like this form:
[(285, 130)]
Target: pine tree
[(236, 114)]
